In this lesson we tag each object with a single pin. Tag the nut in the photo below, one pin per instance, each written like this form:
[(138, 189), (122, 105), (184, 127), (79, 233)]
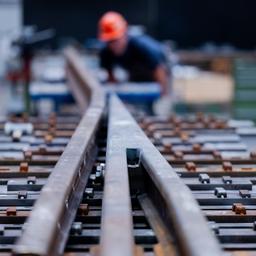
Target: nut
[(11, 211), (83, 209), (28, 155), (48, 138), (239, 208), (227, 166), (190, 166), (196, 148), (178, 154), (24, 167)]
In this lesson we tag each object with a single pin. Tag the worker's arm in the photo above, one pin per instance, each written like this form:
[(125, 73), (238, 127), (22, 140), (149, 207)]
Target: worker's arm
[(106, 62), (161, 76), (152, 53), (111, 77)]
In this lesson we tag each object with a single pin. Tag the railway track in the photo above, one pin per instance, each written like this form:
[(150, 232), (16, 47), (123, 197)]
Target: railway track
[(106, 183)]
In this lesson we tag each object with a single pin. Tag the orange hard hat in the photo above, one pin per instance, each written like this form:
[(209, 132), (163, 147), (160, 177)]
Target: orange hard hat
[(112, 26)]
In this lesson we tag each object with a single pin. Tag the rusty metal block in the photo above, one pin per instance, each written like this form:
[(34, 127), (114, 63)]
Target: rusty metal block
[(217, 154), (48, 138), (28, 155), (200, 116), (178, 154), (177, 131), (190, 166), (52, 131), (52, 120), (239, 208), (227, 166), (220, 125), (11, 211), (24, 167), (42, 149), (184, 136), (83, 209), (168, 147), (253, 154), (197, 148)]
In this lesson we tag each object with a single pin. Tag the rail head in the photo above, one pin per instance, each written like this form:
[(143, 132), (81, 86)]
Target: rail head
[(193, 235), (84, 87), (116, 231), (48, 225)]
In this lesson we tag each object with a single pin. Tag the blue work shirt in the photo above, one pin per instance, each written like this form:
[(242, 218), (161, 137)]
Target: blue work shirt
[(141, 57)]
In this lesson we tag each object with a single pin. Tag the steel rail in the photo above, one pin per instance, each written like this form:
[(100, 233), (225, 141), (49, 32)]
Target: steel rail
[(192, 233), (117, 233), (90, 91), (48, 226)]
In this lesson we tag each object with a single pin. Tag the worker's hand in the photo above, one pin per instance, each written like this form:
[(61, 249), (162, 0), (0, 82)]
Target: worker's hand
[(112, 80), (164, 91), (111, 77), (161, 77), (164, 106)]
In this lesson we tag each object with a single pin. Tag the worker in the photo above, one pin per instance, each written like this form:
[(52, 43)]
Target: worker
[(141, 56)]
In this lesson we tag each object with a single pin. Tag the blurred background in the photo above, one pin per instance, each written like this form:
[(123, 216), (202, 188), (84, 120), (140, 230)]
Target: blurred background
[(188, 23), (210, 46)]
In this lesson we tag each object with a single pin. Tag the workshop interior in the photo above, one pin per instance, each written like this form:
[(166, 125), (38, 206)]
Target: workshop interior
[(127, 128)]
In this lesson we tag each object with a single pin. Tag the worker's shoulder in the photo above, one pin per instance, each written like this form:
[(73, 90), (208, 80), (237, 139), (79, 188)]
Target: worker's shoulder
[(145, 41)]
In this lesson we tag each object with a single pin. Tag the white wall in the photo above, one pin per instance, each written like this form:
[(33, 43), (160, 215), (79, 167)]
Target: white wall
[(10, 24), (10, 16)]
